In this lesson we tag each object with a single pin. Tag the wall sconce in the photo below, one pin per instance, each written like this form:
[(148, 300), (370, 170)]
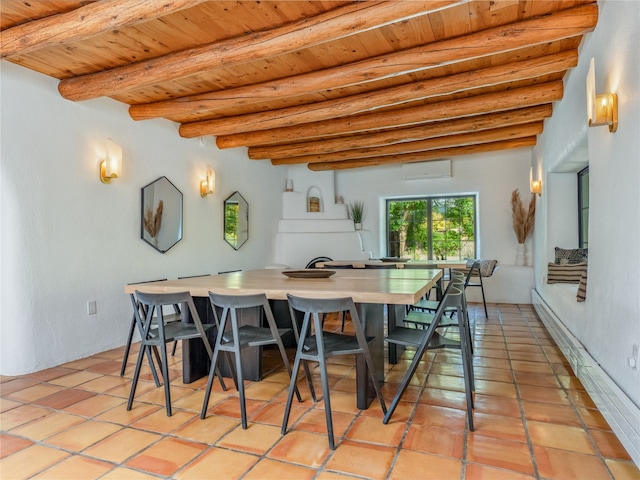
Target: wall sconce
[(601, 109), (111, 165), (534, 185), (208, 185)]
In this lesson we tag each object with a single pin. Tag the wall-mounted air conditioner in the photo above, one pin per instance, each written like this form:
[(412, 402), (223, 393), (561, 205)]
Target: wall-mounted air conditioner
[(424, 170)]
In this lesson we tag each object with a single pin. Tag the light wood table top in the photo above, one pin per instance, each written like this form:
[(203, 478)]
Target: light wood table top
[(402, 287)]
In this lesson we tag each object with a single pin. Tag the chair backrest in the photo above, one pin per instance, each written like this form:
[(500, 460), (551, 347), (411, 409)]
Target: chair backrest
[(313, 308), (472, 270), (196, 276), (453, 297), (229, 303), (153, 302), (312, 263)]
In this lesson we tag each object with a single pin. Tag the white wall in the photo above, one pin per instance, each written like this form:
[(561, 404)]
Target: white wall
[(610, 324), (66, 238), (493, 176)]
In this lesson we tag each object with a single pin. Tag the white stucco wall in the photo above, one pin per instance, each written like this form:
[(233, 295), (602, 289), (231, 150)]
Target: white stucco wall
[(609, 322), (492, 176), (67, 239)]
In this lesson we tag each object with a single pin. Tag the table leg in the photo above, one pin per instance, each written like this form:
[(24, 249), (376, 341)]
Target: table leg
[(395, 317), (195, 360), (372, 317)]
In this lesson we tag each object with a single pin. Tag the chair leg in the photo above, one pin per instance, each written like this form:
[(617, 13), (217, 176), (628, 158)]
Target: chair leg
[(173, 350), (127, 347), (484, 302), (136, 375), (468, 382), (327, 402), (240, 382), (167, 380), (292, 387), (207, 393), (152, 365), (405, 381), (486, 314), (287, 365)]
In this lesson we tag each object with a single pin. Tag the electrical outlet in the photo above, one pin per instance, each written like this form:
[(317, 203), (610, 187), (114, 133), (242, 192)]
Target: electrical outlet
[(91, 308), (633, 359)]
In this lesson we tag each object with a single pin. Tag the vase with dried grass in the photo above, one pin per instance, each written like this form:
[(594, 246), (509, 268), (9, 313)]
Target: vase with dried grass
[(523, 221)]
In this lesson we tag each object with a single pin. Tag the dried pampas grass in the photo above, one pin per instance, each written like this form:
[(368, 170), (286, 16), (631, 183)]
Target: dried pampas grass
[(153, 222), (522, 219)]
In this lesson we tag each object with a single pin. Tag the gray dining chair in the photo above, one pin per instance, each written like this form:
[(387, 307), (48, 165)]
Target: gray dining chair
[(430, 339), (132, 328), (156, 333), (233, 338), (317, 345)]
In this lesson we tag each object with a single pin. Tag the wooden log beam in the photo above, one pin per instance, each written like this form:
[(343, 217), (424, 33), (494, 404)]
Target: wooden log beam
[(430, 130), (338, 23), (84, 22), (484, 136), (493, 102), (378, 139), (426, 156), (564, 24), (364, 102)]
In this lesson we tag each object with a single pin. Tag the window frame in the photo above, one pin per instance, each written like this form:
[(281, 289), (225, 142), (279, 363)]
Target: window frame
[(582, 201), (429, 217)]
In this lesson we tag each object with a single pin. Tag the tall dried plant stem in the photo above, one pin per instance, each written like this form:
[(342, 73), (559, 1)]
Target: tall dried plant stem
[(153, 222), (523, 220)]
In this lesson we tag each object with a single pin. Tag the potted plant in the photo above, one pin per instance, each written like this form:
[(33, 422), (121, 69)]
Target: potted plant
[(357, 212)]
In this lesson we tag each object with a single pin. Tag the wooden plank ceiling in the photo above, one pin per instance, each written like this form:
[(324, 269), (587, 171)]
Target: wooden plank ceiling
[(333, 84)]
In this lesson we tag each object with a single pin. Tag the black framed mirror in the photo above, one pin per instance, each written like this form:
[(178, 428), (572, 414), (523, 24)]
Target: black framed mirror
[(236, 220), (161, 215)]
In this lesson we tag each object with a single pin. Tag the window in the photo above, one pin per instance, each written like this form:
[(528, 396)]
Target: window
[(432, 228), (583, 208)]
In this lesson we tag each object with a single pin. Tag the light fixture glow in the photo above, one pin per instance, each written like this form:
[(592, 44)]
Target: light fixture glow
[(535, 186), (111, 165), (601, 109), (208, 185)]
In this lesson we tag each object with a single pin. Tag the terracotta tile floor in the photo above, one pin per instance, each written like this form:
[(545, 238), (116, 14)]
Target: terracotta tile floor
[(533, 420)]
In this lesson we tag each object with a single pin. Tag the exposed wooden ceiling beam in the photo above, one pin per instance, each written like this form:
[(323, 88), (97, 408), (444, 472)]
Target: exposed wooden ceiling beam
[(484, 136), (426, 156), (563, 24), (365, 102), (400, 135), (499, 101), (338, 23), (84, 22)]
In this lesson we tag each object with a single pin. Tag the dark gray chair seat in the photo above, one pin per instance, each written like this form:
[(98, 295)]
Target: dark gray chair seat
[(233, 338)]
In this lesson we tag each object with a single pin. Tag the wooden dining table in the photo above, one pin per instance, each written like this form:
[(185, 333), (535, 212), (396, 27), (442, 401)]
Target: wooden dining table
[(371, 290)]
